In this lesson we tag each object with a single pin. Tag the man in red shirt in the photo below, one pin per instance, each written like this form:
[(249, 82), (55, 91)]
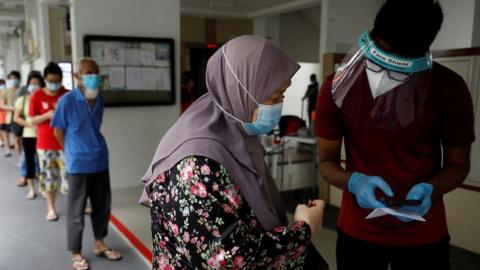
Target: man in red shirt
[(397, 112), (50, 152)]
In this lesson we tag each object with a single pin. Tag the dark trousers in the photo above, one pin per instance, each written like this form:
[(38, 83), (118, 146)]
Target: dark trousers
[(30, 150), (353, 253), (96, 187)]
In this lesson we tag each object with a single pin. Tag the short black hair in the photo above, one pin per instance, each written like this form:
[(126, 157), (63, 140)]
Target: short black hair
[(52, 68), (313, 77), (35, 74), (15, 74), (408, 26)]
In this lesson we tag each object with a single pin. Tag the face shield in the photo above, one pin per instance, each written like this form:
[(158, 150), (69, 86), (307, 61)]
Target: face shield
[(398, 85)]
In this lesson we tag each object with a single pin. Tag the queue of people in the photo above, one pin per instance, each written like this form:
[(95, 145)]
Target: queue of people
[(406, 121), (56, 135)]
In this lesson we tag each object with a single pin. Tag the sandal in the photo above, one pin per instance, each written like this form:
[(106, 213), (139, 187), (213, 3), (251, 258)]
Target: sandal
[(52, 218), (31, 196), (21, 183), (108, 254), (80, 264)]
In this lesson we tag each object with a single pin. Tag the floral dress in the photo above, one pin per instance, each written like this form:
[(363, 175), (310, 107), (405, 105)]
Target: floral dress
[(200, 220)]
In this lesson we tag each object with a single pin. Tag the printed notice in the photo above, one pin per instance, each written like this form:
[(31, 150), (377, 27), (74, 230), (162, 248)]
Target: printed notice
[(98, 52), (164, 82), (149, 78), (134, 78), (116, 78), (147, 54)]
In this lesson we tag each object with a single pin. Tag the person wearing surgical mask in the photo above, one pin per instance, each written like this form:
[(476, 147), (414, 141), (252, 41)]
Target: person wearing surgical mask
[(4, 129), (8, 97), (29, 135), (407, 123), (214, 203), (77, 122), (50, 152)]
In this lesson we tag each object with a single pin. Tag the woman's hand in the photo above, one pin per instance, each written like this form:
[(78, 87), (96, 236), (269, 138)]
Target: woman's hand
[(312, 214)]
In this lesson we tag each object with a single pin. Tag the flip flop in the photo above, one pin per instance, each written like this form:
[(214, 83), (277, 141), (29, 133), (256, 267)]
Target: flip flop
[(109, 254), (52, 219), (80, 264), (21, 183)]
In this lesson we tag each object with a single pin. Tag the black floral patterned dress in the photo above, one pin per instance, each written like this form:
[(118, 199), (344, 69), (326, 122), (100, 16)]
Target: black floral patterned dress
[(200, 220)]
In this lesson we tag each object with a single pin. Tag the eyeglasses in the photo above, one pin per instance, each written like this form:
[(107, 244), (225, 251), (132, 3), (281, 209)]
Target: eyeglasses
[(397, 76)]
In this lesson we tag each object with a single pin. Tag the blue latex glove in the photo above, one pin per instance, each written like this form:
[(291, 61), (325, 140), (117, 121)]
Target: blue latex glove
[(364, 187), (423, 192)]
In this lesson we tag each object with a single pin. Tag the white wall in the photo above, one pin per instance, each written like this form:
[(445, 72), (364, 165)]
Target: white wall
[(268, 27), (293, 96), (300, 35), (457, 28), (342, 21), (464, 218), (132, 133)]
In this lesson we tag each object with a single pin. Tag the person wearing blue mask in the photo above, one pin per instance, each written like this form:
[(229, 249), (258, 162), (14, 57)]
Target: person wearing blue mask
[(214, 204), (50, 152), (77, 121), (29, 134), (408, 124), (8, 97)]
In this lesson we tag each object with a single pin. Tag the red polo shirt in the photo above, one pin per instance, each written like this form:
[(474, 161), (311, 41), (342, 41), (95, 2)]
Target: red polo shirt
[(41, 103), (403, 157)]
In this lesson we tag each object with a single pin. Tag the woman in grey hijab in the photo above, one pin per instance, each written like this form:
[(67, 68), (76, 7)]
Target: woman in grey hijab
[(213, 202)]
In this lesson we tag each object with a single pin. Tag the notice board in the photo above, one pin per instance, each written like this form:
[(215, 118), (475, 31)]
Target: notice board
[(135, 71)]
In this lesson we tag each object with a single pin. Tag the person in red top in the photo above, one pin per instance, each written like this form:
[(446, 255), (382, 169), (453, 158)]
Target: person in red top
[(50, 152), (397, 112)]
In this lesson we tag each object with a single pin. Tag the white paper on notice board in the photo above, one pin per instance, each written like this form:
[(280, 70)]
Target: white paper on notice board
[(163, 79), (98, 52), (134, 78), (149, 78), (116, 78), (132, 54), (162, 55), (147, 54), (115, 53)]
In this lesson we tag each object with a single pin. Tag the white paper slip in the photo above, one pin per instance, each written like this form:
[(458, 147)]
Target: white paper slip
[(379, 212)]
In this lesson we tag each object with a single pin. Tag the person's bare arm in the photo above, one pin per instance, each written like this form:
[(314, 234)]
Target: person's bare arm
[(21, 121), (6, 107), (38, 119), (455, 169), (60, 135), (329, 158)]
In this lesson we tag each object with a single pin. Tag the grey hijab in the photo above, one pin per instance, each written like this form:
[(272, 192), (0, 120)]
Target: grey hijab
[(205, 130)]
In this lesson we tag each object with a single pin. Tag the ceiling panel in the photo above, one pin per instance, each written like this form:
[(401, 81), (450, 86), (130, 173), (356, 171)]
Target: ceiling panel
[(243, 6)]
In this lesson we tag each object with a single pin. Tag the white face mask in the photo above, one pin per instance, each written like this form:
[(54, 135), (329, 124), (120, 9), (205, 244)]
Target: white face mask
[(380, 83)]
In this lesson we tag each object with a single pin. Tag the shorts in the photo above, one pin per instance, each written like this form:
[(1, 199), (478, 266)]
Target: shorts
[(52, 171), (5, 127)]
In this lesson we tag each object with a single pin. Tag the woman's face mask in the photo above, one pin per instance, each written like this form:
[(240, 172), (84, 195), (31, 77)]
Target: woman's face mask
[(54, 87), (268, 115), (32, 87), (12, 83), (267, 119)]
